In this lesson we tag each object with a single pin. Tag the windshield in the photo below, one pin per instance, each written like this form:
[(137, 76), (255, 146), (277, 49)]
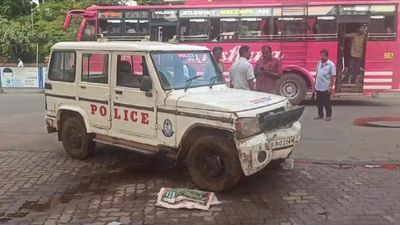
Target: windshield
[(175, 69)]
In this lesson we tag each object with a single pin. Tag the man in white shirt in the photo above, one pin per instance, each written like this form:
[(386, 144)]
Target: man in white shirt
[(20, 63), (241, 73)]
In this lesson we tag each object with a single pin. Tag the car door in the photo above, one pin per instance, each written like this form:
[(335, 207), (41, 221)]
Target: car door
[(94, 88), (134, 111)]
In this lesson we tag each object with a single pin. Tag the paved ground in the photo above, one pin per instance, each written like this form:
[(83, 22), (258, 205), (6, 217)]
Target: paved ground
[(51, 188), (40, 184)]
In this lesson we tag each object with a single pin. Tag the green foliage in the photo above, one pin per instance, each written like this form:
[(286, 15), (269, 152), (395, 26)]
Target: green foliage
[(23, 25)]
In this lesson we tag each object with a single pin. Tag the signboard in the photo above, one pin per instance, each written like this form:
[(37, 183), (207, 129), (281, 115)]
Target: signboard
[(230, 12), (166, 15), (19, 77), (110, 14), (137, 14)]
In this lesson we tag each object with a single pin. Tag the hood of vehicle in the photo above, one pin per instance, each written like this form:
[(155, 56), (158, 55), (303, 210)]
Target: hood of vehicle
[(227, 100)]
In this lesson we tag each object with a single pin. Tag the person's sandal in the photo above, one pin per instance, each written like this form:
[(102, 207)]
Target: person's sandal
[(328, 118), (318, 117)]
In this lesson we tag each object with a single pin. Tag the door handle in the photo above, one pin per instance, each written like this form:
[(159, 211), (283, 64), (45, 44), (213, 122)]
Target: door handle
[(118, 92), (83, 87)]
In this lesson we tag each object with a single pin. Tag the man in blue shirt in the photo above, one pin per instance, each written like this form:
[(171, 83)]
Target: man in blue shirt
[(326, 71)]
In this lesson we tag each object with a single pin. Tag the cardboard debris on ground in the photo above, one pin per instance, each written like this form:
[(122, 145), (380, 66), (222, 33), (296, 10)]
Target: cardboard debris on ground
[(176, 198)]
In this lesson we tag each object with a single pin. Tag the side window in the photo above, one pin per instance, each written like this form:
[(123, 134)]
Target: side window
[(229, 29), (382, 27), (95, 68), (194, 29), (62, 66), (110, 26), (321, 23), (254, 28), (130, 70)]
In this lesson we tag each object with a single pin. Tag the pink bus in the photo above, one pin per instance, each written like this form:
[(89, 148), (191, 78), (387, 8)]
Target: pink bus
[(296, 30)]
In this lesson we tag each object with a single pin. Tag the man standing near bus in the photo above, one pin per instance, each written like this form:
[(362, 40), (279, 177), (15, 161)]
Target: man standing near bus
[(242, 73), (326, 71), (268, 70), (356, 53), (217, 54)]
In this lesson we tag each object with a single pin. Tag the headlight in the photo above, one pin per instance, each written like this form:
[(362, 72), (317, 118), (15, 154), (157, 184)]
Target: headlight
[(247, 127)]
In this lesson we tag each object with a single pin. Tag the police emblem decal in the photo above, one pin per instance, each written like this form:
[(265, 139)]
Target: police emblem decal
[(167, 128)]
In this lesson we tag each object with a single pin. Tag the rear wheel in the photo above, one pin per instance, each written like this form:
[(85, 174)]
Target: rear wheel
[(75, 139), (214, 164), (293, 87)]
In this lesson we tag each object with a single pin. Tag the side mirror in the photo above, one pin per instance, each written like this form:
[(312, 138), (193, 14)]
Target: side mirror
[(146, 84)]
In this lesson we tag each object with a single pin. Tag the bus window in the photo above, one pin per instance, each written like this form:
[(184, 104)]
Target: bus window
[(131, 26), (291, 28), (229, 29), (382, 22), (215, 30), (321, 23), (89, 34), (254, 28), (143, 27), (110, 26), (194, 30), (321, 27)]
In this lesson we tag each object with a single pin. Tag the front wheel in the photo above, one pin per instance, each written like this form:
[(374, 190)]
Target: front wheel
[(293, 87), (75, 139), (214, 163)]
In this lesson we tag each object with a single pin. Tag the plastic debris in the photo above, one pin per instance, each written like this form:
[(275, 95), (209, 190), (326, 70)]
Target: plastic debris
[(288, 164), (114, 223), (176, 198), (373, 166)]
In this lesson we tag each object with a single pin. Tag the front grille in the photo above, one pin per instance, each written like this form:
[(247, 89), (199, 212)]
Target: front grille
[(283, 119)]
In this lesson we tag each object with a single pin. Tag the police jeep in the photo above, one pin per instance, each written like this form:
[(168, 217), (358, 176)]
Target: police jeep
[(153, 97)]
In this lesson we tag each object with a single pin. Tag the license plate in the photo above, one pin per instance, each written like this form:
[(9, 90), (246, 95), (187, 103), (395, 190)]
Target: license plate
[(282, 143)]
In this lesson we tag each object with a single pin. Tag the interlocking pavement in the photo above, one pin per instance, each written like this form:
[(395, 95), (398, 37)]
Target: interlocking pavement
[(116, 185)]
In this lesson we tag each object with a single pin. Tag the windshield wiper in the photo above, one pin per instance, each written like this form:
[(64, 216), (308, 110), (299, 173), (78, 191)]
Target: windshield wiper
[(189, 81), (213, 79)]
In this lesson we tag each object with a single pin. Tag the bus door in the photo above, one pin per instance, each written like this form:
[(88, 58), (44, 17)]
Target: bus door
[(351, 59), (163, 32)]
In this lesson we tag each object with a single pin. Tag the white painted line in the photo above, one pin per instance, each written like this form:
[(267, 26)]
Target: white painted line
[(379, 73), (378, 80), (374, 87)]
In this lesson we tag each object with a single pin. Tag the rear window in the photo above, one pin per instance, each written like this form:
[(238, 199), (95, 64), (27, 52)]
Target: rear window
[(62, 66)]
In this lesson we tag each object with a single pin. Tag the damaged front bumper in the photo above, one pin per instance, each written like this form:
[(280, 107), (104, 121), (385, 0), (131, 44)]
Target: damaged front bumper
[(256, 152)]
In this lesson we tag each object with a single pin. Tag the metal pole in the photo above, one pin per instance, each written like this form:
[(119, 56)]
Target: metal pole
[(37, 54)]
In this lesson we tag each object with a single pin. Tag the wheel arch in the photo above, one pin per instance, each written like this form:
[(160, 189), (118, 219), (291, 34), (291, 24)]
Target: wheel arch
[(64, 112), (302, 72), (197, 130)]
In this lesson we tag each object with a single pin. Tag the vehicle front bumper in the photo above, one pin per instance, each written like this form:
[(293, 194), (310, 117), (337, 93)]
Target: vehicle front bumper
[(256, 152)]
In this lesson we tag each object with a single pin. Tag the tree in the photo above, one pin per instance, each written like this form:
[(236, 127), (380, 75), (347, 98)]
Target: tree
[(10, 9)]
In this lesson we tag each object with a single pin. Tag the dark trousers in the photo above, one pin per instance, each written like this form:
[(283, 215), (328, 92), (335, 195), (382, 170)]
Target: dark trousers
[(354, 69), (324, 100)]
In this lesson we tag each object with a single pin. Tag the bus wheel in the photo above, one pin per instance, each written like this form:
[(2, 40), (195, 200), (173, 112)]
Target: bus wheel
[(293, 87), (214, 164), (75, 139)]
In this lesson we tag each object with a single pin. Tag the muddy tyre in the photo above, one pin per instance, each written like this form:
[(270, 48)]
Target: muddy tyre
[(75, 139), (293, 87), (213, 163)]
